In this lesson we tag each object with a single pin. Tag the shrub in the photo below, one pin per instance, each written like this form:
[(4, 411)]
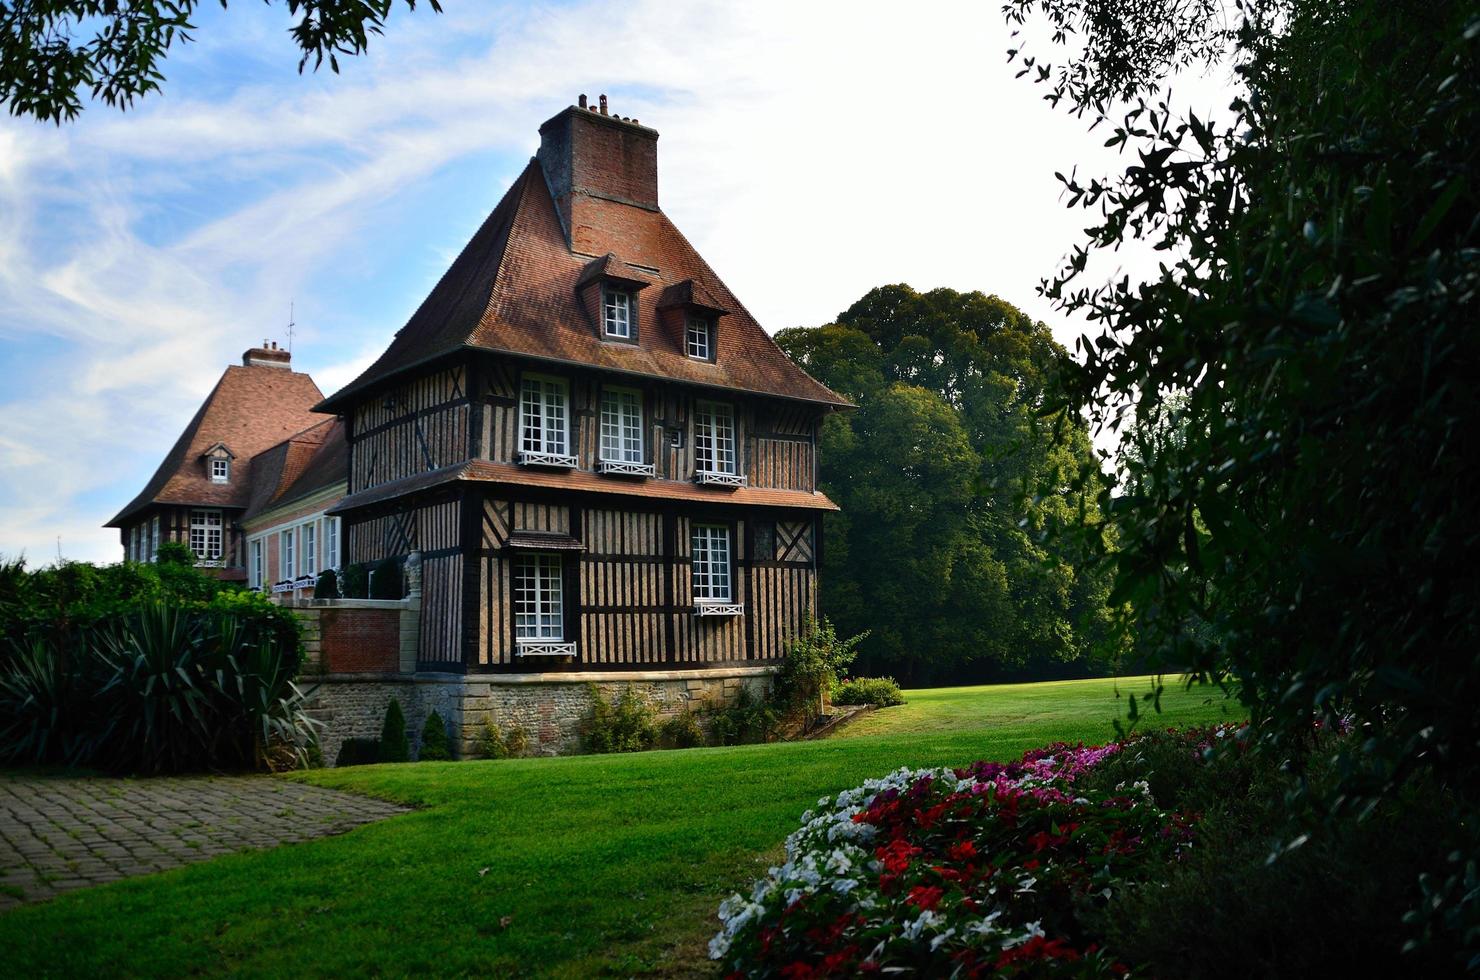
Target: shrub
[(626, 726), (174, 553), (356, 582), (490, 742), (681, 731), (393, 744), (358, 752), (385, 580), (47, 710), (743, 720), (811, 668), (881, 692), (327, 587), (516, 741), (435, 746)]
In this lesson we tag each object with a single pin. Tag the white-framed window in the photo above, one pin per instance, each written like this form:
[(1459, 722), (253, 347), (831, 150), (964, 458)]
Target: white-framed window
[(711, 563), (154, 538), (258, 573), (700, 338), (544, 416), (133, 548), (206, 534), (286, 555), (616, 312), (621, 425), (539, 612), (714, 438), (331, 542), (310, 558), (220, 469)]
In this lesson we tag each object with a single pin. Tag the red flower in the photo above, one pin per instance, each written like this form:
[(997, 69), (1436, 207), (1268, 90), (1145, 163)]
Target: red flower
[(925, 897), (1037, 948), (896, 855), (798, 971), (961, 851)]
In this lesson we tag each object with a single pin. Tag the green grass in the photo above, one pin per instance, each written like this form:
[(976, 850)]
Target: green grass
[(571, 866)]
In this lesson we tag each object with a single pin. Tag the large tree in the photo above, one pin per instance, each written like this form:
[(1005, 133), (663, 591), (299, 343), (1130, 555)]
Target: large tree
[(55, 52), (941, 550)]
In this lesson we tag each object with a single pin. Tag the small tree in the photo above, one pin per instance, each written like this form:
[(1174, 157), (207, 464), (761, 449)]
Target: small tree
[(393, 745), (811, 668), (435, 746)]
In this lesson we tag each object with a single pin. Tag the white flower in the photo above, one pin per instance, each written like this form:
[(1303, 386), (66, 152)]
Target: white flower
[(941, 939), (1032, 929), (927, 920), (719, 946)]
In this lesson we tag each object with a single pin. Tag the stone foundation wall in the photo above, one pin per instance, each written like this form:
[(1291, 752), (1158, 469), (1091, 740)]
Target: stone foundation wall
[(551, 708)]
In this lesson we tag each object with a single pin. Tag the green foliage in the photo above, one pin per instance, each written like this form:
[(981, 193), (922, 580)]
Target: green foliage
[(435, 745), (385, 580), (881, 692), (174, 553), (681, 731), (624, 726), (743, 720), (813, 661), (356, 582), (53, 54), (47, 708), (327, 586), (941, 552), (394, 746), (516, 741), (1314, 338), (358, 752)]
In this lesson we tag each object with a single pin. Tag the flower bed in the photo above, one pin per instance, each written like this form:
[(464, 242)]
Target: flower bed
[(987, 870)]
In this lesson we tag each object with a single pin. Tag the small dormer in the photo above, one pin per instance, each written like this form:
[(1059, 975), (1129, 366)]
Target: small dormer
[(608, 290), (690, 316), (218, 462)]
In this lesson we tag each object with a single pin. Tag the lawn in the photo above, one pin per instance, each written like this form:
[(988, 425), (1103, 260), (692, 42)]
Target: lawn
[(569, 866)]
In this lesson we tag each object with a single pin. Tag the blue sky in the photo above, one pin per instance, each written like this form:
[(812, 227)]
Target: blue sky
[(810, 151)]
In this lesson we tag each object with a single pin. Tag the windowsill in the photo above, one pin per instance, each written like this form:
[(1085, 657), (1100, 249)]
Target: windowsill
[(553, 460), (543, 648), (712, 478), (211, 563), (703, 608), (607, 467)]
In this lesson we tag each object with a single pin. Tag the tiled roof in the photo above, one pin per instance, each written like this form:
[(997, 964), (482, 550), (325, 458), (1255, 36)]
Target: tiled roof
[(249, 410), (481, 471), (304, 464), (514, 289)]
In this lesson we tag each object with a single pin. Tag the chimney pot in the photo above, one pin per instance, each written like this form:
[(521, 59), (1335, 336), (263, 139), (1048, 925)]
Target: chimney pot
[(603, 105), (582, 102)]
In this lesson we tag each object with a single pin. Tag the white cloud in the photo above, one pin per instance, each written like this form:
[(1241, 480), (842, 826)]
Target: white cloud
[(810, 151)]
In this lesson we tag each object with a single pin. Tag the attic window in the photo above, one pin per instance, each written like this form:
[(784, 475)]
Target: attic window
[(220, 470), (616, 313), (700, 338)]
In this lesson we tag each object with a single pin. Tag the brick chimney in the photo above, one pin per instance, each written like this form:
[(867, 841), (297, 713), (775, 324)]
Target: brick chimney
[(586, 153), (268, 355)]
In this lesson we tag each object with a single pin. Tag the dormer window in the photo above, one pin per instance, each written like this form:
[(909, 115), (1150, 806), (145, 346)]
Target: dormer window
[(220, 470), (700, 337), (616, 313)]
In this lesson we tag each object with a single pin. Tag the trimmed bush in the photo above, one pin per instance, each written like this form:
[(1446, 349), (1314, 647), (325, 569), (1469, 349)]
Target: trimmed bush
[(495, 744), (393, 744), (435, 746), (385, 580), (355, 583), (682, 731), (327, 587), (516, 741), (881, 692), (358, 752), (623, 726)]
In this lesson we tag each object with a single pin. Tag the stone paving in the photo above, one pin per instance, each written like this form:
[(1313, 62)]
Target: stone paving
[(59, 833)]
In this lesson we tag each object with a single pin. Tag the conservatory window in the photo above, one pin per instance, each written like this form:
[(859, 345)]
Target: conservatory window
[(714, 438), (711, 563), (538, 605)]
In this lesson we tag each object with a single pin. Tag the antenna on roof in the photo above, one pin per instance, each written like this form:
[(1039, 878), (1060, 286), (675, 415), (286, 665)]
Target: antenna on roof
[(291, 325)]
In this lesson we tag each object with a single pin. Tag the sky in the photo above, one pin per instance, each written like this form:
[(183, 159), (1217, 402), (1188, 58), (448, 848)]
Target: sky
[(810, 151)]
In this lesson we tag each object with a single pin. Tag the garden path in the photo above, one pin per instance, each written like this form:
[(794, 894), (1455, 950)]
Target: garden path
[(59, 833)]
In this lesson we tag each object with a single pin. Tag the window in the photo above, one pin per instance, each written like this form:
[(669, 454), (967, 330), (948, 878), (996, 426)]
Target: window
[(543, 418), (621, 425), (711, 563), (205, 535), (257, 576), (154, 538), (310, 557), (133, 548), (287, 556), (220, 470), (538, 608), (616, 313), (700, 338), (331, 542), (714, 438)]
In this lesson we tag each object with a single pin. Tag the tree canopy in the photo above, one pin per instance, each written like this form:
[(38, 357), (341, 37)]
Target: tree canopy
[(940, 551), (55, 52)]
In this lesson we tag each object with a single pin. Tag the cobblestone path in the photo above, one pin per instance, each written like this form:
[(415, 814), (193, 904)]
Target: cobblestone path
[(60, 833)]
